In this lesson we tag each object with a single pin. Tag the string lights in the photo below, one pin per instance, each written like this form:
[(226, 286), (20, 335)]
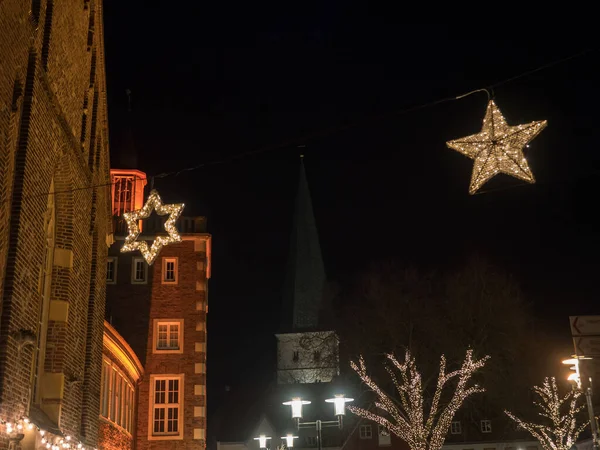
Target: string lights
[(154, 203), (408, 420), (563, 429), (498, 148), (51, 442)]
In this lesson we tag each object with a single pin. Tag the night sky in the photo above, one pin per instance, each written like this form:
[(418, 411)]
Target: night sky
[(208, 86)]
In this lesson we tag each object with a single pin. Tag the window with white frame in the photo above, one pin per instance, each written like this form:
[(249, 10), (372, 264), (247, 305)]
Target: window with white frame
[(169, 270), (455, 427), (111, 270), (168, 335), (116, 397), (139, 271), (486, 426), (366, 432), (166, 406)]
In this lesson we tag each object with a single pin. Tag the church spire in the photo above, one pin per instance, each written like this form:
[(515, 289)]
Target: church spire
[(305, 278)]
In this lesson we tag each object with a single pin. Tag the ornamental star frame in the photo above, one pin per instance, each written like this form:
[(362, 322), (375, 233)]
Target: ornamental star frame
[(498, 148), (154, 202)]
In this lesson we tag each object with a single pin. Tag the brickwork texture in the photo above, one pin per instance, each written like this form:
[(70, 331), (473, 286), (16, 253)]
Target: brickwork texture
[(53, 132)]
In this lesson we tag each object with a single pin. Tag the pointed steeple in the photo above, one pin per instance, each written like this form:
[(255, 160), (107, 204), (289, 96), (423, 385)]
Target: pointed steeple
[(305, 278)]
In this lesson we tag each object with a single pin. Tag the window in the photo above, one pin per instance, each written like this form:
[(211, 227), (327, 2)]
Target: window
[(311, 441), (385, 439), (366, 432), (166, 421), (116, 397), (139, 271), (44, 288), (486, 426), (169, 270), (455, 428), (317, 356), (168, 335), (111, 270), (296, 356)]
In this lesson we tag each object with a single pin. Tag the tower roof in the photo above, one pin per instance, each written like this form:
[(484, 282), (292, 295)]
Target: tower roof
[(305, 278)]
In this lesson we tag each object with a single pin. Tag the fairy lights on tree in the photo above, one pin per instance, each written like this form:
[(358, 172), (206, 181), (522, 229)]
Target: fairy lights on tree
[(408, 419), (561, 430)]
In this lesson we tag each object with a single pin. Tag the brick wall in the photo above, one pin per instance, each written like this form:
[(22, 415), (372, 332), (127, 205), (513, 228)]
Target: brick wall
[(46, 74), (133, 309)]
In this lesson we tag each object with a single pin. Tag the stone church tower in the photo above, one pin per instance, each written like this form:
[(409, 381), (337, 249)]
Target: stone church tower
[(54, 225), (306, 353)]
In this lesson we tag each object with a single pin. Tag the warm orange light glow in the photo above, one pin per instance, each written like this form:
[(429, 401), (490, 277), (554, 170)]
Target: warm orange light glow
[(127, 190), (120, 349)]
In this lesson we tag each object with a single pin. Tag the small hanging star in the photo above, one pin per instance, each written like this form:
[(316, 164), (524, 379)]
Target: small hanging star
[(498, 148), (155, 203)]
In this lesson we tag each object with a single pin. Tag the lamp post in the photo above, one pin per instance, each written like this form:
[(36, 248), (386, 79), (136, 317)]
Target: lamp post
[(576, 377), (262, 440), (339, 403)]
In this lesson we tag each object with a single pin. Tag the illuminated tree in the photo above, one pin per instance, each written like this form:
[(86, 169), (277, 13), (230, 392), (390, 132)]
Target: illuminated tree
[(561, 429), (408, 418)]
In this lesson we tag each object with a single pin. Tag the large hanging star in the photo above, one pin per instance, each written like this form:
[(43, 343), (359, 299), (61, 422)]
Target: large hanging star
[(155, 203), (498, 148)]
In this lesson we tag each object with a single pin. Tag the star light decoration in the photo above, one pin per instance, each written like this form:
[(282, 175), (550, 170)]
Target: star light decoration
[(498, 148), (155, 203), (562, 427), (408, 419)]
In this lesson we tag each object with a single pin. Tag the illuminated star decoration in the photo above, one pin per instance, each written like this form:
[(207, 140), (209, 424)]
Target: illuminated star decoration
[(498, 148), (155, 203)]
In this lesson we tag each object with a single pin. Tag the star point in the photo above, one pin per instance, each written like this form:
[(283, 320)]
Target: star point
[(153, 203), (498, 148)]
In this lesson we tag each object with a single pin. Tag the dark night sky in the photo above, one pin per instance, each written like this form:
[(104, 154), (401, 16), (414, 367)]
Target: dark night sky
[(207, 86)]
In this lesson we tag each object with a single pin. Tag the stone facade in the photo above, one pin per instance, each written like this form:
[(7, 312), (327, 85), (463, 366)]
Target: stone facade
[(53, 225)]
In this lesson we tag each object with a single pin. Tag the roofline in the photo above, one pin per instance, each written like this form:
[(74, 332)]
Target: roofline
[(119, 347)]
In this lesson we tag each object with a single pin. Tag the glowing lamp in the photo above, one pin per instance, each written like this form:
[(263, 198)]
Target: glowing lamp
[(289, 440), (262, 440), (296, 404), (339, 403)]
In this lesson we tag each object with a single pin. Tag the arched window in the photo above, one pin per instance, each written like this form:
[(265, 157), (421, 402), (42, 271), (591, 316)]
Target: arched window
[(44, 291)]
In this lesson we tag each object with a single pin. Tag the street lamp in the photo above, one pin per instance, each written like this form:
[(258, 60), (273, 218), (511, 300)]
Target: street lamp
[(576, 377), (262, 440), (289, 440), (339, 403)]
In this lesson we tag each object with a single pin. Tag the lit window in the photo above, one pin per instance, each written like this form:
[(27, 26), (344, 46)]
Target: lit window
[(169, 269), (111, 270), (486, 426), (139, 271), (366, 432), (116, 396), (166, 410), (168, 336), (455, 428)]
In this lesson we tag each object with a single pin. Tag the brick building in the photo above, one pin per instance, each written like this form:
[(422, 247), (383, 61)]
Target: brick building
[(53, 226), (121, 372), (161, 310)]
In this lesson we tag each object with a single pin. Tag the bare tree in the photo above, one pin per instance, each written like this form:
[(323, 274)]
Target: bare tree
[(562, 427), (408, 419)]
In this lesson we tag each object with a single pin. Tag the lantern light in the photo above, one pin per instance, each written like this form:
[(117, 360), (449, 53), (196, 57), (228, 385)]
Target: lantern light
[(339, 403), (296, 404), (262, 440), (289, 440)]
